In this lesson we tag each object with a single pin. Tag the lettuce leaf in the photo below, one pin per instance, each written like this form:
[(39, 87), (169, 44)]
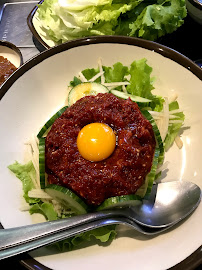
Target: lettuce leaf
[(103, 235), (67, 20), (46, 209), (141, 82), (173, 129), (158, 19), (25, 172)]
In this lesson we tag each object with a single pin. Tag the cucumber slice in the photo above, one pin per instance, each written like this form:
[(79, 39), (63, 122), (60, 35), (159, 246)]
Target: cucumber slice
[(123, 95), (145, 189), (157, 134), (85, 89), (67, 198), (42, 162), (152, 174), (120, 201), (49, 123)]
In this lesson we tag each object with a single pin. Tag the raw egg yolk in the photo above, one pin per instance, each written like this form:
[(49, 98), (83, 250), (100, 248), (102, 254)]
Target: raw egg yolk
[(96, 141)]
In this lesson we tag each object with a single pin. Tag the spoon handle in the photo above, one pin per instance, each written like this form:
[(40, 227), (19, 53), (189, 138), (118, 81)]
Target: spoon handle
[(53, 238), (19, 235)]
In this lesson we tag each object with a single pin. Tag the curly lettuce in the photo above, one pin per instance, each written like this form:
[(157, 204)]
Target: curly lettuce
[(64, 20)]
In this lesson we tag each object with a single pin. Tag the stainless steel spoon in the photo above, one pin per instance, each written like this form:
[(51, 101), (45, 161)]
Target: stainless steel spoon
[(168, 204)]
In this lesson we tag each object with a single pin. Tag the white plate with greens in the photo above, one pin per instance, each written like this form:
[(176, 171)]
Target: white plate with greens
[(54, 22), (39, 89)]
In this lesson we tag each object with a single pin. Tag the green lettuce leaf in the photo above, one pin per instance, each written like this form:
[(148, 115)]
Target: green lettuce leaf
[(25, 172), (158, 19), (116, 73), (103, 235), (46, 209), (67, 20), (173, 129), (141, 82)]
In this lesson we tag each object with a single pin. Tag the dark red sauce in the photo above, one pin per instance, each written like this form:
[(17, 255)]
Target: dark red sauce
[(120, 174), (6, 69)]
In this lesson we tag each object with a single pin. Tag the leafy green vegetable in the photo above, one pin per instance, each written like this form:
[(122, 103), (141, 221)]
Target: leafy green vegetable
[(75, 81), (116, 73), (141, 82), (158, 19), (103, 234), (67, 20), (173, 129), (45, 209), (25, 172)]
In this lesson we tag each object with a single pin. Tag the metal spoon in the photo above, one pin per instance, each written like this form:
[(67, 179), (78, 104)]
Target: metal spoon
[(168, 204)]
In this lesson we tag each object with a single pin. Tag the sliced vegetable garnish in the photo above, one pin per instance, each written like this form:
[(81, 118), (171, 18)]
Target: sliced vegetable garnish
[(156, 133), (152, 174), (67, 198), (85, 89), (146, 188), (49, 123), (42, 162), (120, 201), (123, 95)]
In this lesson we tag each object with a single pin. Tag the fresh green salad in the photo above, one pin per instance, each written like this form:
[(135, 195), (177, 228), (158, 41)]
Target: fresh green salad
[(64, 20), (135, 82)]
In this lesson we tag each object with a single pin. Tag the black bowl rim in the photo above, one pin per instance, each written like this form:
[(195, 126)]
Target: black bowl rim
[(196, 4), (13, 47), (32, 28), (194, 259)]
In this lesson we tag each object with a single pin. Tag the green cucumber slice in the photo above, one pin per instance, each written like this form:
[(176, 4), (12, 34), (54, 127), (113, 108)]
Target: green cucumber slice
[(157, 134), (85, 89), (42, 162), (119, 201), (67, 198), (49, 123), (136, 99), (145, 189), (152, 174)]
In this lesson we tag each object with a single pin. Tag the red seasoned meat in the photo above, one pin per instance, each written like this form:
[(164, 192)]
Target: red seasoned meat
[(120, 174)]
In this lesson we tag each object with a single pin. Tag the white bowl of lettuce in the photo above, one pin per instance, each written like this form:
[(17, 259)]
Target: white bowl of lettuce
[(54, 22), (40, 88)]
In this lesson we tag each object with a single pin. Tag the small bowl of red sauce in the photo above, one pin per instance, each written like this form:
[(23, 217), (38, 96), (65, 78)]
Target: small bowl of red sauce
[(10, 60)]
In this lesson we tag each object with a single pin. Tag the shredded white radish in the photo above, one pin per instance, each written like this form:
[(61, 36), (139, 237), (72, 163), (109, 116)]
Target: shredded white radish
[(175, 111), (175, 121), (82, 78), (39, 193), (35, 182), (172, 116), (178, 142), (124, 89), (101, 70), (34, 156), (164, 121), (114, 84), (162, 167), (173, 97), (24, 207), (96, 76)]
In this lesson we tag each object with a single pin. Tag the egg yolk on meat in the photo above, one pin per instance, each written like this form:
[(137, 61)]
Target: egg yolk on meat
[(96, 141)]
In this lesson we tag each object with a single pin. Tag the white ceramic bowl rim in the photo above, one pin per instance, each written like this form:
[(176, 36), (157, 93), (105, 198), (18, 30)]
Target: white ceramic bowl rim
[(150, 45)]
